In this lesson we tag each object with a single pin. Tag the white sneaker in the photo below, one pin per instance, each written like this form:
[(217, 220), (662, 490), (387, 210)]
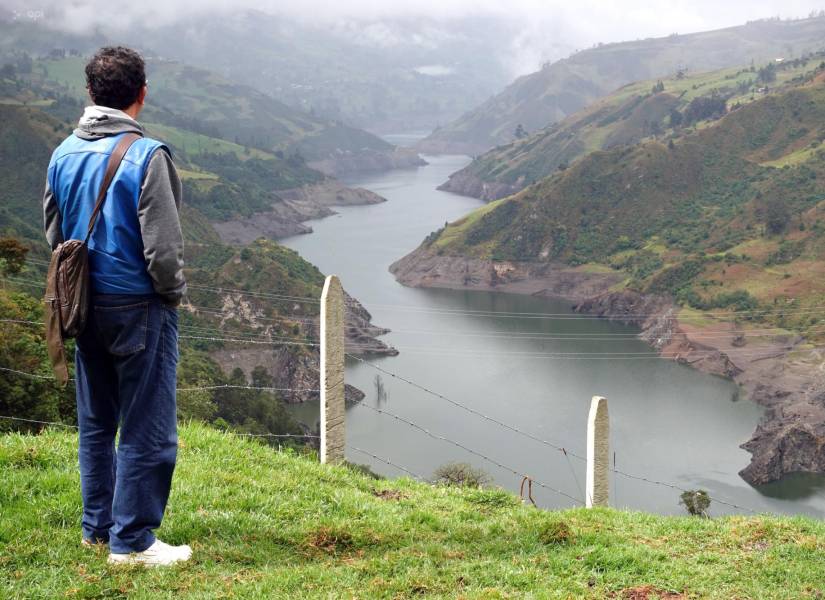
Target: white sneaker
[(156, 555)]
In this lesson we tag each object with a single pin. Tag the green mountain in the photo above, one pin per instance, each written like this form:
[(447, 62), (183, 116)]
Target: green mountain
[(203, 102), (275, 524), (237, 293), (744, 188), (660, 109), (565, 87)]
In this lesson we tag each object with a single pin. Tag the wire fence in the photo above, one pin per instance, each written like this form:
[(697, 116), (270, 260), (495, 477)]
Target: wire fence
[(201, 333)]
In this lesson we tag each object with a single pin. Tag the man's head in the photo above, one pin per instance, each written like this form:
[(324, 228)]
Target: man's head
[(116, 78)]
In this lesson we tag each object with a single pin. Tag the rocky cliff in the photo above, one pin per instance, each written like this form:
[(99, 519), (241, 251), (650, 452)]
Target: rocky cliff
[(294, 367)]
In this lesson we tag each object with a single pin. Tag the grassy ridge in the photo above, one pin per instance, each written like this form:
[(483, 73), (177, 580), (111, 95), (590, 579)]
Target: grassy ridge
[(276, 525)]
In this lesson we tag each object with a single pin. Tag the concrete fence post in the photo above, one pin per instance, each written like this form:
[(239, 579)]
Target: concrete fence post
[(597, 485), (333, 434)]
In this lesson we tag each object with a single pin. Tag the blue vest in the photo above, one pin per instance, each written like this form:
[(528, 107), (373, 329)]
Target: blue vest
[(116, 261)]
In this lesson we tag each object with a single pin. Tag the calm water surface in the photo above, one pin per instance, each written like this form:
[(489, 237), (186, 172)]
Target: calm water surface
[(668, 422)]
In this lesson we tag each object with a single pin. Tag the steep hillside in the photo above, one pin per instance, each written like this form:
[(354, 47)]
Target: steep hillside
[(274, 524), (662, 109), (203, 102), (564, 87), (230, 303), (727, 220), (227, 181)]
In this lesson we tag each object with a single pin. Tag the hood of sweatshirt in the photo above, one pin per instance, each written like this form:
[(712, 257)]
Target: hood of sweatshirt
[(100, 121)]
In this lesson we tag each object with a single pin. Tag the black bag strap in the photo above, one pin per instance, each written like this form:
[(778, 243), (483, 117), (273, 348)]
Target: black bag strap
[(115, 158)]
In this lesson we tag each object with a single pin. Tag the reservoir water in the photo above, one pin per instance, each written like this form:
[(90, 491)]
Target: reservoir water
[(489, 351)]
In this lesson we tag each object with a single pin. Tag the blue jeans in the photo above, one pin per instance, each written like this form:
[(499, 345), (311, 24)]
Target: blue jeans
[(126, 377)]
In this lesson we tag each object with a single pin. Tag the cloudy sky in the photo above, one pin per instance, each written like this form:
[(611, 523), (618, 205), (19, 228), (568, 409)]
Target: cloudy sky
[(547, 27)]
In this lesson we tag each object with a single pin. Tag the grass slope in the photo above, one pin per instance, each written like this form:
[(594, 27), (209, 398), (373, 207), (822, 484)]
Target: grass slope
[(568, 85), (277, 525), (631, 114)]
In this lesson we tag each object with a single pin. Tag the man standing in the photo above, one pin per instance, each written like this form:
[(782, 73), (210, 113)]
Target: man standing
[(127, 355)]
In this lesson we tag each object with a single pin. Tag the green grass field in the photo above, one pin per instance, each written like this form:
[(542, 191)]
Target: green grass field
[(265, 524)]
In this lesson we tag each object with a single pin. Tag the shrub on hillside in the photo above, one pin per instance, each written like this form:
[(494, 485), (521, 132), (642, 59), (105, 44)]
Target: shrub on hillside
[(460, 474), (696, 502), (676, 278), (705, 107), (788, 251)]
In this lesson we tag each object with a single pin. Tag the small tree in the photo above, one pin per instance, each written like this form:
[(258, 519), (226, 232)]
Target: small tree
[(460, 474), (767, 74), (520, 132), (676, 118), (777, 217), (12, 256), (696, 502)]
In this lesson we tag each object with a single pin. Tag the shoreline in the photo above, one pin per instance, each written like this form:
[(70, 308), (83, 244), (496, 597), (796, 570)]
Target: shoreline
[(778, 372)]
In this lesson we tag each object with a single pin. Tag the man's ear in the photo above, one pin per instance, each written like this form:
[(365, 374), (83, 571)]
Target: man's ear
[(89, 92), (141, 99)]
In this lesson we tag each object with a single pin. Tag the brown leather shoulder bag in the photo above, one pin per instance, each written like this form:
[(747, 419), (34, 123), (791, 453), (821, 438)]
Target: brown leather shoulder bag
[(67, 283)]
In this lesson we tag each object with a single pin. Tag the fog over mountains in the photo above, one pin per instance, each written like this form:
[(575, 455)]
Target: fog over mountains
[(380, 66)]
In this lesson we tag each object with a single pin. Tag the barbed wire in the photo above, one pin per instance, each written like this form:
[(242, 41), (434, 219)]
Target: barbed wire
[(386, 461), (202, 388), (266, 295), (51, 423), (696, 354), (244, 387), (25, 374), (493, 461), (245, 341), (275, 435), (567, 453), (521, 336), (491, 313), (466, 408), (227, 432), (591, 356)]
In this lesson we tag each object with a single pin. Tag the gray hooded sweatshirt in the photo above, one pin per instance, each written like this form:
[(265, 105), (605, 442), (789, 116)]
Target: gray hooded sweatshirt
[(158, 205)]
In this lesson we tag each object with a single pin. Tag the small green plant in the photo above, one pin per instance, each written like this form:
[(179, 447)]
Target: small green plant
[(696, 502), (460, 474), (555, 533)]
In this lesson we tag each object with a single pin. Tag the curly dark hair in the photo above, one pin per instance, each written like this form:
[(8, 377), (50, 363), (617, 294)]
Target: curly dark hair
[(114, 77)]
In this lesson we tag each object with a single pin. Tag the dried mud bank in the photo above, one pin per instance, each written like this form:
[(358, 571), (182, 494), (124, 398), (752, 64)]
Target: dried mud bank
[(780, 373)]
